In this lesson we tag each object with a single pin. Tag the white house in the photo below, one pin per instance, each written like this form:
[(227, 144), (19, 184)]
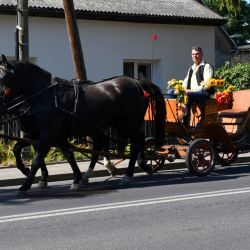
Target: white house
[(116, 36)]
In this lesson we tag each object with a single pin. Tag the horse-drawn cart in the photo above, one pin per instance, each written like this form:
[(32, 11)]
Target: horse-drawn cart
[(213, 136), (61, 109)]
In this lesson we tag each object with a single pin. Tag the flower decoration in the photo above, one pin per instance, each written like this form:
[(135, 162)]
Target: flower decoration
[(214, 82), (225, 96), (179, 90)]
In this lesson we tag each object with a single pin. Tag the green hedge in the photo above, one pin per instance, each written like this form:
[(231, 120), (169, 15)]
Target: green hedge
[(7, 157), (237, 75)]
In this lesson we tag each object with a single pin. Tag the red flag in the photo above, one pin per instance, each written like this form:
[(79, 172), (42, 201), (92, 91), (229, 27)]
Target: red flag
[(153, 37)]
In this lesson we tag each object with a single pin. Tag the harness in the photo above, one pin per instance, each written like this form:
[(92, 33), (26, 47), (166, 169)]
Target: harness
[(54, 81), (76, 93)]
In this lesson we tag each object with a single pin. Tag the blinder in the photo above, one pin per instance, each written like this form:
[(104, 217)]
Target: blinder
[(7, 77), (4, 69)]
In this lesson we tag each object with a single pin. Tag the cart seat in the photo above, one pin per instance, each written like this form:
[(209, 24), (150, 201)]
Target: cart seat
[(233, 113), (237, 119)]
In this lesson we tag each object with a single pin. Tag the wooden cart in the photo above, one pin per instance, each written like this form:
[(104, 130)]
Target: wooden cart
[(212, 137), (200, 144)]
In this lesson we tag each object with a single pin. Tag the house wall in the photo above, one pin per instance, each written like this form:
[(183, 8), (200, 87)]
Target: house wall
[(107, 44), (224, 50)]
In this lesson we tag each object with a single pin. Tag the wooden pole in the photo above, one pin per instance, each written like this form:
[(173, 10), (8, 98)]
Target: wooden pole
[(22, 33), (74, 40)]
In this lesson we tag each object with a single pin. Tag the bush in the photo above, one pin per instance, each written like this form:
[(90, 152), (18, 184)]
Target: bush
[(54, 156), (6, 153), (237, 75)]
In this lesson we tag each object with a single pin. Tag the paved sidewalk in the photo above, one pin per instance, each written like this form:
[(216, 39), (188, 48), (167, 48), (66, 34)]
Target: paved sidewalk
[(62, 171)]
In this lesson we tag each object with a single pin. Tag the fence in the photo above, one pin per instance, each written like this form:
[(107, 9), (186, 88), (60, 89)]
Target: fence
[(9, 125)]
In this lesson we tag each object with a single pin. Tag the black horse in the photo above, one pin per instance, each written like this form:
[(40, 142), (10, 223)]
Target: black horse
[(62, 110), (26, 123)]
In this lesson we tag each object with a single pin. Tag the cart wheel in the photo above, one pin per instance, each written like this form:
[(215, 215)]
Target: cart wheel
[(155, 163), (223, 157), (226, 158), (200, 157)]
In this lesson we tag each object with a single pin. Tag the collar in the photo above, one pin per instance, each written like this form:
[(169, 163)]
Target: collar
[(195, 67)]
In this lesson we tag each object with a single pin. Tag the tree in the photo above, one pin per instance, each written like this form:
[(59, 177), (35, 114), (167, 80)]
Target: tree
[(237, 23), (232, 6)]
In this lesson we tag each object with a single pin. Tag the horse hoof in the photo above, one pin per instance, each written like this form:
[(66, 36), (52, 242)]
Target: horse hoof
[(21, 194), (111, 169), (74, 187), (113, 173), (125, 181), (84, 181), (42, 184), (148, 169)]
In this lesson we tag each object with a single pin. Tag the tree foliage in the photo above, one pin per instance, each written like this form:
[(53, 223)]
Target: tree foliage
[(237, 75), (237, 18), (233, 6)]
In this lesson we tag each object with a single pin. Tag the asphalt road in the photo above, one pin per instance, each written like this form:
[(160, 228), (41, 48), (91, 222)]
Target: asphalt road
[(170, 210)]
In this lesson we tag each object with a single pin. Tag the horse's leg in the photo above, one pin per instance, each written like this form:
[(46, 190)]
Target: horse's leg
[(97, 144), (106, 160), (127, 178), (89, 172), (69, 155), (19, 162), (25, 170), (141, 155), (137, 143), (110, 166), (43, 183), (38, 161)]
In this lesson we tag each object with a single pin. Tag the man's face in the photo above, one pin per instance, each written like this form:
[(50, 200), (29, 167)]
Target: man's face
[(196, 56)]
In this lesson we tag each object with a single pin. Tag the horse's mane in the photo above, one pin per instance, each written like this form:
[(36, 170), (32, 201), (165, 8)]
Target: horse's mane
[(31, 67), (31, 71)]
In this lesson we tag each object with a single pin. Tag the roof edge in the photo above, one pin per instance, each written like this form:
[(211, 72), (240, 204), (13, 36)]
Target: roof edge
[(116, 16)]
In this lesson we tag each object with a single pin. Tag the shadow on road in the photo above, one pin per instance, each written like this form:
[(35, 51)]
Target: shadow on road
[(109, 185)]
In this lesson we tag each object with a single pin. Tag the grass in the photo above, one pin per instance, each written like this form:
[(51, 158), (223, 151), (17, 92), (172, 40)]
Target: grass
[(7, 157)]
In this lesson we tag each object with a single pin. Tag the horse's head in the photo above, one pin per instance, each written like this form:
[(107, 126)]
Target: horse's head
[(9, 81)]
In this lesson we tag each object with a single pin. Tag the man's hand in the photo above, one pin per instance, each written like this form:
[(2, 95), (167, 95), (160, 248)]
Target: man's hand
[(188, 91)]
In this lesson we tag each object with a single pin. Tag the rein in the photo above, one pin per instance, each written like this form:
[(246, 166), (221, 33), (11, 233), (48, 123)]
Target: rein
[(32, 96), (15, 117)]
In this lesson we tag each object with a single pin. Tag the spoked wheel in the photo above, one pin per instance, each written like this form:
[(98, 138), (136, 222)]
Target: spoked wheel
[(200, 157), (224, 157), (150, 161)]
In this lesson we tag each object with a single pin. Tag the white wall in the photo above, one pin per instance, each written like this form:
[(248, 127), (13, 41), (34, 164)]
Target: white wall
[(106, 44)]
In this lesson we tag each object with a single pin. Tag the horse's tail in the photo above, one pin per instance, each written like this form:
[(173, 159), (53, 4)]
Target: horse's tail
[(158, 109)]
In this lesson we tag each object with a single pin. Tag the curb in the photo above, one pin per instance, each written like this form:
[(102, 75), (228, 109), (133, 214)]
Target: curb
[(102, 173)]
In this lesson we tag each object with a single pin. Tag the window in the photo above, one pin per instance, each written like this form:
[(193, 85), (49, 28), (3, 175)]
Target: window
[(139, 70)]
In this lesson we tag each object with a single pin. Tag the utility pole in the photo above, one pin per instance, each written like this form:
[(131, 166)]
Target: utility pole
[(74, 40), (22, 33)]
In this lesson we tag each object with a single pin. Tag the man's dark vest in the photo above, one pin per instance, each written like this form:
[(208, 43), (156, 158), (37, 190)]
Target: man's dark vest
[(199, 78)]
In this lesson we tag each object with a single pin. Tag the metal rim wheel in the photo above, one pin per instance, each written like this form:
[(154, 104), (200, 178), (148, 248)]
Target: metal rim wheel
[(153, 163), (223, 157), (226, 158), (200, 157)]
